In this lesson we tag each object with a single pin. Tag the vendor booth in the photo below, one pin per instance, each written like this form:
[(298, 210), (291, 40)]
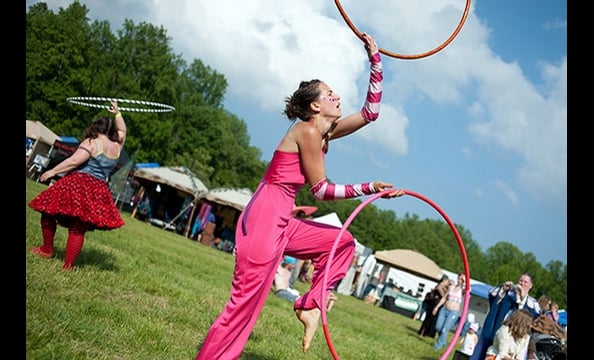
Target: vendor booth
[(165, 196)]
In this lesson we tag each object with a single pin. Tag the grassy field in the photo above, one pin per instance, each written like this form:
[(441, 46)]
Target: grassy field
[(140, 292)]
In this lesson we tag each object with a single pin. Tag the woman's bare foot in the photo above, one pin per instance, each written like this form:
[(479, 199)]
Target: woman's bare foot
[(310, 319)]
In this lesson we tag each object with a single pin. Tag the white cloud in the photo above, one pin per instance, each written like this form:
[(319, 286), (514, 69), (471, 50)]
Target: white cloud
[(507, 191)]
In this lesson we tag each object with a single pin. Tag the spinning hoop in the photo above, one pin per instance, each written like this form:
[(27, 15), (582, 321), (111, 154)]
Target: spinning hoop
[(150, 106), (462, 253), (402, 56)]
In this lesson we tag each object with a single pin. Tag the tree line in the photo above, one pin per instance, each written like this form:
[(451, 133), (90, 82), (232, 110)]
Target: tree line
[(69, 55)]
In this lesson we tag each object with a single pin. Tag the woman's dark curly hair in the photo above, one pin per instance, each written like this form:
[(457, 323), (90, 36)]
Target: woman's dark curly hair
[(297, 105), (103, 125)]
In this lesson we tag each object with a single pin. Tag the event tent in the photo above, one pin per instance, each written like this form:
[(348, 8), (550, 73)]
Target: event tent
[(235, 198), (39, 141), (411, 261), (37, 130), (177, 177)]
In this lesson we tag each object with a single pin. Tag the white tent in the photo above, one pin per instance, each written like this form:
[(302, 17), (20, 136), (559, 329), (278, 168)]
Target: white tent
[(42, 139), (332, 219), (235, 198), (410, 261), (179, 178), (36, 130)]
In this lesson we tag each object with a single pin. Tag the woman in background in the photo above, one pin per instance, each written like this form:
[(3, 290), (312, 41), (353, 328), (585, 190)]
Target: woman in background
[(81, 200), (431, 300), (512, 338)]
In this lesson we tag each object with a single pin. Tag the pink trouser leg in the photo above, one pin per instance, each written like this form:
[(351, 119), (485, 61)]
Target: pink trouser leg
[(313, 240), (48, 231), (254, 271)]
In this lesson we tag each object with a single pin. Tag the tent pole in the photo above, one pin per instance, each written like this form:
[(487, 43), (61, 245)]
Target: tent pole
[(179, 214), (140, 195), (190, 222)]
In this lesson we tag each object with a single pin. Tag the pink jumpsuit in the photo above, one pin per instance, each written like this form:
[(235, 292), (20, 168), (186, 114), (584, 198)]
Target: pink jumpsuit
[(265, 233)]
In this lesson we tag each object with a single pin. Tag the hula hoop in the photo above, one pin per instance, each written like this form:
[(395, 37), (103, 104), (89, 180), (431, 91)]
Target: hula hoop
[(462, 253), (413, 56), (150, 106)]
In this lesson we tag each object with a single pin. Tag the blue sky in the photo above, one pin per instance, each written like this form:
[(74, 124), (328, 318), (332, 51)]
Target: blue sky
[(479, 128)]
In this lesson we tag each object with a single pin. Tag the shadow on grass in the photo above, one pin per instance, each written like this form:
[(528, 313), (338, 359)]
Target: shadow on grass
[(90, 257)]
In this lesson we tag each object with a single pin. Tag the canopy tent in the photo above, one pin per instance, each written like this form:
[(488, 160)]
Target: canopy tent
[(480, 290), (235, 198), (411, 261), (40, 132), (177, 177), (39, 141)]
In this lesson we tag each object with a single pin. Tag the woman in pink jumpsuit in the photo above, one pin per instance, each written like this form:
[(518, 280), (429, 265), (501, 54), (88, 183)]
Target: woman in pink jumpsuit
[(266, 231)]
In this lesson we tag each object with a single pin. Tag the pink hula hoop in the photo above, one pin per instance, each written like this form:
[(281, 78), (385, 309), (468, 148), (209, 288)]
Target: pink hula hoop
[(462, 253)]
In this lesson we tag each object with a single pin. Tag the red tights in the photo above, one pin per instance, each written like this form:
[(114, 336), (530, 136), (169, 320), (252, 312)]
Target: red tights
[(74, 244)]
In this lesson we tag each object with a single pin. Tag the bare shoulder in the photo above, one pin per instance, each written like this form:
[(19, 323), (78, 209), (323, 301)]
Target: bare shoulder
[(299, 136), (305, 130), (87, 144)]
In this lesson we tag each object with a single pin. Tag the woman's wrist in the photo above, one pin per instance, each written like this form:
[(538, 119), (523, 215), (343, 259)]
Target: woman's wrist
[(117, 114)]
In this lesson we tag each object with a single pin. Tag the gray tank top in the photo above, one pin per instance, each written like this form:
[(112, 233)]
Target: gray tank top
[(99, 166)]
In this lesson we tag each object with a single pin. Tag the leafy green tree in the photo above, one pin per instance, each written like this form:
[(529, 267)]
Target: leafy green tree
[(59, 54)]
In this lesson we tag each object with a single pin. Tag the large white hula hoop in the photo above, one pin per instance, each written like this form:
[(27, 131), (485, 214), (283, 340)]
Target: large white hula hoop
[(150, 106)]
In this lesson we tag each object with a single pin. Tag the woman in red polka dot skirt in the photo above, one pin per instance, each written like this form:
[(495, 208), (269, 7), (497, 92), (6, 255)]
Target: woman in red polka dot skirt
[(81, 200)]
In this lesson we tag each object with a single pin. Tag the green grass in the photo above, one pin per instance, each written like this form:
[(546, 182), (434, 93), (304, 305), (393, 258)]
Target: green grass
[(140, 292)]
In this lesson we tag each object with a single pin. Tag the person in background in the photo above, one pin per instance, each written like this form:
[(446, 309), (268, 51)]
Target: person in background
[(266, 231), (305, 273), (303, 212), (390, 289), (544, 302), (470, 339), (371, 286), (470, 318), (447, 311), (432, 298), (512, 338), (81, 200), (553, 312), (504, 299), (282, 280)]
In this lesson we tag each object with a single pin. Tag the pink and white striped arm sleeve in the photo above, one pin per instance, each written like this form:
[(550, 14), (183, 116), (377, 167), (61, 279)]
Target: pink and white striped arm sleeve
[(371, 107), (325, 191)]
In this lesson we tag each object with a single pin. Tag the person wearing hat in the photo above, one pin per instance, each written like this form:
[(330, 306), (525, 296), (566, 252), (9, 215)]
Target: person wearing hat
[(471, 339), (282, 279)]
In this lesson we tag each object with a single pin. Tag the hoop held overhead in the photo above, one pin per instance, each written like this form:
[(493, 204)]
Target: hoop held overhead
[(403, 56), (148, 106)]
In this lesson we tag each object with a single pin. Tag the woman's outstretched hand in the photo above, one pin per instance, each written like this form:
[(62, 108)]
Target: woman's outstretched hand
[(393, 194), (383, 186)]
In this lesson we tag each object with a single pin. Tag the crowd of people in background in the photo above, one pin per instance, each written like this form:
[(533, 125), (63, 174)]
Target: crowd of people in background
[(513, 328)]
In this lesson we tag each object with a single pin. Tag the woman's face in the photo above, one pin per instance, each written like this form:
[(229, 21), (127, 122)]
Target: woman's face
[(328, 101)]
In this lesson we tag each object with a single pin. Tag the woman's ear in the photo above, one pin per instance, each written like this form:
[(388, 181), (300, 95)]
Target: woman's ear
[(315, 106)]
